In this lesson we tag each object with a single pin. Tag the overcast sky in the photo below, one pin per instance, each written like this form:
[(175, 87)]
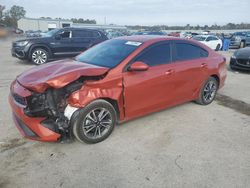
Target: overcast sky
[(143, 12)]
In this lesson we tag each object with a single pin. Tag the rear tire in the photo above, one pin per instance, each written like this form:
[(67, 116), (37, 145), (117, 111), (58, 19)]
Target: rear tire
[(95, 122), (217, 47), (208, 91), (39, 56), (231, 66)]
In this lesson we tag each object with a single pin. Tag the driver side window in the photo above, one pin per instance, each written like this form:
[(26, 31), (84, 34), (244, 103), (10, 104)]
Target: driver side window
[(156, 55), (66, 34)]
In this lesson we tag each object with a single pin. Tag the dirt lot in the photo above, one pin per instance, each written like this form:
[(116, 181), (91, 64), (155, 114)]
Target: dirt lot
[(186, 146)]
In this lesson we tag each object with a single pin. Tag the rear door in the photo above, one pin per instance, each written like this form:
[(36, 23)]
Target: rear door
[(82, 39), (190, 64)]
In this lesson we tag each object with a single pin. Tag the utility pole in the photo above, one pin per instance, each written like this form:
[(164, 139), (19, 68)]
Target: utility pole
[(105, 23)]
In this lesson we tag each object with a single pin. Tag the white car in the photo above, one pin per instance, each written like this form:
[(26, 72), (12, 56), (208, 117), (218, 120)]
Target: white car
[(210, 40)]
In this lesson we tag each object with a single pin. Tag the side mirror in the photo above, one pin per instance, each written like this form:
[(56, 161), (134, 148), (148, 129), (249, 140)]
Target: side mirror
[(138, 66), (58, 37)]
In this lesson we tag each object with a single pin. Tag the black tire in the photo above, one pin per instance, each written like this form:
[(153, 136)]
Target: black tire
[(39, 56), (205, 97), (83, 120), (242, 44), (231, 67), (217, 47)]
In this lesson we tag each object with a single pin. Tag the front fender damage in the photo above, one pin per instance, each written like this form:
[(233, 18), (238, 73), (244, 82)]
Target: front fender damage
[(91, 90)]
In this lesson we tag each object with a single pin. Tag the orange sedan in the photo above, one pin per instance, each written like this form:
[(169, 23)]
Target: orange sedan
[(114, 81)]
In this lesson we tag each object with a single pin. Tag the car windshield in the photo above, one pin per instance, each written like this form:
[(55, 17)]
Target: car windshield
[(109, 53), (50, 33), (199, 38)]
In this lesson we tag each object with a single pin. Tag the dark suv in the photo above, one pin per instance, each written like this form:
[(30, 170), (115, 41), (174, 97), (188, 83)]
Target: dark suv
[(240, 39), (57, 43)]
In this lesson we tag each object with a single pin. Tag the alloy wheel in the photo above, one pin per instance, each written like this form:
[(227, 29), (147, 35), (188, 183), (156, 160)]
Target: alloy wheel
[(39, 57), (209, 91), (97, 123)]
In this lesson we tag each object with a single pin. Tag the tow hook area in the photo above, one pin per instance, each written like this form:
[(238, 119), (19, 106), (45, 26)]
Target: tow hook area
[(64, 124)]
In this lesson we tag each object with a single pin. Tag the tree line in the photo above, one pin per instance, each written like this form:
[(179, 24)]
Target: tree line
[(74, 20), (189, 27), (11, 16), (15, 13)]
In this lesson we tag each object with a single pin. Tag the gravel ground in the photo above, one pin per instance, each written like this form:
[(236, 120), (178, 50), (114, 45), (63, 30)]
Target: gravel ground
[(185, 146)]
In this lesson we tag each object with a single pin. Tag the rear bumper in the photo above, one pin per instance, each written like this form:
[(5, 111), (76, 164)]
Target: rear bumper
[(234, 44), (30, 127)]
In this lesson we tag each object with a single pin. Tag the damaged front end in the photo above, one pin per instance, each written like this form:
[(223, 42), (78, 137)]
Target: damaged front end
[(52, 105), (39, 98)]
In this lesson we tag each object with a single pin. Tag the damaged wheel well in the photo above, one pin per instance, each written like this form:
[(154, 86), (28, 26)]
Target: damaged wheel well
[(115, 105)]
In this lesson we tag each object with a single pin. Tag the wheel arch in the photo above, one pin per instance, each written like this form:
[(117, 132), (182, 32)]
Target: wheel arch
[(216, 77), (42, 46), (113, 102)]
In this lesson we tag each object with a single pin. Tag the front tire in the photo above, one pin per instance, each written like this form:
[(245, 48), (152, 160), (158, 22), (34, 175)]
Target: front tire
[(208, 91), (95, 122), (39, 56)]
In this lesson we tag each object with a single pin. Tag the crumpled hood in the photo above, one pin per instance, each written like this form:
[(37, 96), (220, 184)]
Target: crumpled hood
[(57, 74)]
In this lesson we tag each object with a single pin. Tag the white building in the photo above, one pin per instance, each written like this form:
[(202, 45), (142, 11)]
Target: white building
[(47, 24), (42, 24)]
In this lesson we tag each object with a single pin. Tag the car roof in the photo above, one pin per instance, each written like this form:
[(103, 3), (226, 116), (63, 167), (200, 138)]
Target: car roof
[(158, 38), (147, 38), (79, 28)]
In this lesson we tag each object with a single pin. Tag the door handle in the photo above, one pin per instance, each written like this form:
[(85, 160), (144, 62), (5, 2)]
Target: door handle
[(203, 65), (169, 72)]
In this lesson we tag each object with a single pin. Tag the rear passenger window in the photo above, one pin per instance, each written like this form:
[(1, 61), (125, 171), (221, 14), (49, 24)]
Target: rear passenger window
[(156, 55), (211, 38), (185, 51), (82, 33)]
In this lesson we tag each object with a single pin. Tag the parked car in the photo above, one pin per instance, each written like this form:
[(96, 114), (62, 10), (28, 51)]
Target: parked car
[(149, 33), (188, 35), (174, 34), (114, 81), (211, 41), (114, 34), (18, 31), (240, 39), (31, 33), (156, 33), (3, 31), (56, 43), (241, 59)]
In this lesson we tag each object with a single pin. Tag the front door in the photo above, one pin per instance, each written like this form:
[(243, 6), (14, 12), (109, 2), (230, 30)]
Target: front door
[(148, 91), (62, 44)]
